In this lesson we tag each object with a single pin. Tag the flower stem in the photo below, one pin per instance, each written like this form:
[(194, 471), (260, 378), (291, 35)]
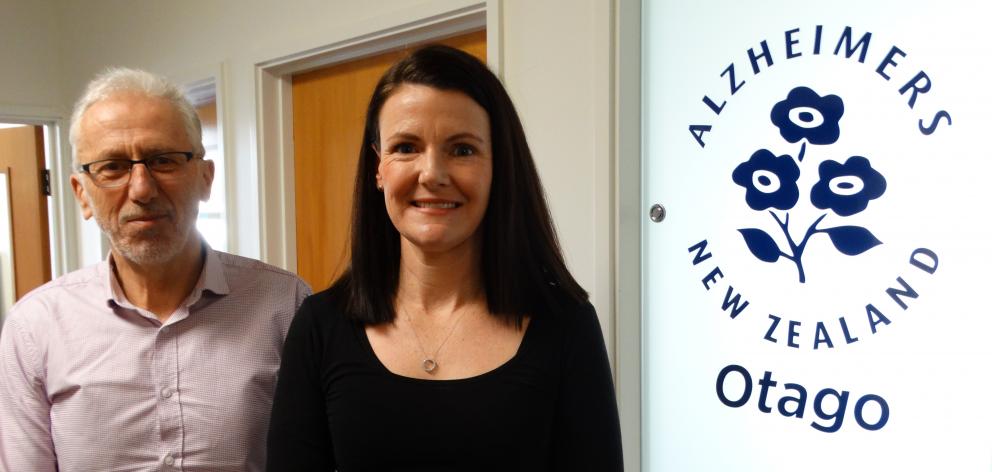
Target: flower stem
[(797, 249), (810, 232), (802, 151)]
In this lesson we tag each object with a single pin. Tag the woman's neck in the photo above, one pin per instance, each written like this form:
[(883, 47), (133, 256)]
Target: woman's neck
[(440, 283)]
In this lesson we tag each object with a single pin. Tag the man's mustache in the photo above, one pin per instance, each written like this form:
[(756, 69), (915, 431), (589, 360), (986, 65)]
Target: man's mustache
[(145, 212)]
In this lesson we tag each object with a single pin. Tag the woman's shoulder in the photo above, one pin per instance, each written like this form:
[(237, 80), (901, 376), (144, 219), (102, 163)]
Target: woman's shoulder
[(324, 309), (331, 297), (570, 316), (570, 334), (567, 307)]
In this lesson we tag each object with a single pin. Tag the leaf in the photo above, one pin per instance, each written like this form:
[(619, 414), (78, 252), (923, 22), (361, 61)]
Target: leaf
[(761, 244), (852, 240)]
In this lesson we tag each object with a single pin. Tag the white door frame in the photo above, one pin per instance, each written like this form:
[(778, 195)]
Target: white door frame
[(274, 108), (630, 214), (62, 219), (211, 82)]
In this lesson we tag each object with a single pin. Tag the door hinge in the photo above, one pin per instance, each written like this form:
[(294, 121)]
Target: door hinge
[(46, 183)]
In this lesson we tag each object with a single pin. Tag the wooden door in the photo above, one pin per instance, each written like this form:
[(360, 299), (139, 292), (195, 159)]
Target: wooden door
[(22, 151), (328, 117)]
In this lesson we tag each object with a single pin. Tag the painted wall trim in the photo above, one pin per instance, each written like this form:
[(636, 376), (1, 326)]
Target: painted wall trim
[(211, 81), (224, 116), (629, 217)]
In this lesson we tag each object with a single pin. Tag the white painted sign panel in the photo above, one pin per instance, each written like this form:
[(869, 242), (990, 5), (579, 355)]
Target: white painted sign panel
[(816, 298)]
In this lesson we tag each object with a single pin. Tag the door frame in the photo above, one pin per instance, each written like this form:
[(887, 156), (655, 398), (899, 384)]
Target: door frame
[(629, 217), (63, 234), (274, 112), (212, 80)]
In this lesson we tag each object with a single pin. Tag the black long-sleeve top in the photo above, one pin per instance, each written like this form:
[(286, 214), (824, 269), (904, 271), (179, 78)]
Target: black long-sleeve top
[(551, 407)]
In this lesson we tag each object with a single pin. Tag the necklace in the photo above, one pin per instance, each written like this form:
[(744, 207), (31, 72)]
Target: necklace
[(429, 364)]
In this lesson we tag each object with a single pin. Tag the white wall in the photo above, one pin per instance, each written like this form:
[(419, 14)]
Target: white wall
[(29, 55), (557, 68)]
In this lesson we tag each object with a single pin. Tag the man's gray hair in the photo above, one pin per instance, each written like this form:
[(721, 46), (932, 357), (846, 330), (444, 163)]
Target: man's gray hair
[(124, 80)]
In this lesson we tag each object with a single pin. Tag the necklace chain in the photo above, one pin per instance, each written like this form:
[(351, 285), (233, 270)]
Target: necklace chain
[(429, 364)]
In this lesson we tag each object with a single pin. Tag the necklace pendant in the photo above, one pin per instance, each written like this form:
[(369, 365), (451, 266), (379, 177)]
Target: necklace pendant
[(429, 365)]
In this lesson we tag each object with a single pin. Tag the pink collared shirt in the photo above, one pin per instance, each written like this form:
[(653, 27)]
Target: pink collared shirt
[(89, 382)]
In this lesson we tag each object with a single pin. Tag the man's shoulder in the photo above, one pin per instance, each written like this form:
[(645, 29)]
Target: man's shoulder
[(247, 268), (241, 263), (70, 289), (81, 280)]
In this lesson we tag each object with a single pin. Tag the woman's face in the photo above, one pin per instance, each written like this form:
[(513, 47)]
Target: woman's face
[(435, 166)]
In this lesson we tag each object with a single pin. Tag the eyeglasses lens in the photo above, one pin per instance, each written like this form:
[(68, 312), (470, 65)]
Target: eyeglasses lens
[(117, 172)]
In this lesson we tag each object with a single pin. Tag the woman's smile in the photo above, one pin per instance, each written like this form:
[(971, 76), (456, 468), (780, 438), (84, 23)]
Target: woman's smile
[(435, 204)]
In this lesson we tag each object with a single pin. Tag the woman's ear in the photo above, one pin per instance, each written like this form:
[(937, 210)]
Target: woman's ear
[(378, 176)]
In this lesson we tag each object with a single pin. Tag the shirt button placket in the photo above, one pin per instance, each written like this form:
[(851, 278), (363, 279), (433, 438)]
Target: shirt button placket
[(166, 371)]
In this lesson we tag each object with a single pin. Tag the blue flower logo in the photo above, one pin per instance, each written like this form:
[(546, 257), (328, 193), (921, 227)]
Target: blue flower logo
[(770, 181), (805, 115), (846, 188)]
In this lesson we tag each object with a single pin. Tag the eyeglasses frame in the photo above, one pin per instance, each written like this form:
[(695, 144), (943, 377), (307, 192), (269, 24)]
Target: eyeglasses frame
[(85, 168)]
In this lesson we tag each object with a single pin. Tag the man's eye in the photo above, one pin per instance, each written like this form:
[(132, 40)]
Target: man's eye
[(164, 163), (112, 167)]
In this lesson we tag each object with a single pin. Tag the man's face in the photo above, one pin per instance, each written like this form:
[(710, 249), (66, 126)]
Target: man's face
[(149, 222)]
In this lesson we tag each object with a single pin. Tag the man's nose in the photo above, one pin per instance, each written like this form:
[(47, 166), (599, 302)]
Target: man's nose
[(142, 188)]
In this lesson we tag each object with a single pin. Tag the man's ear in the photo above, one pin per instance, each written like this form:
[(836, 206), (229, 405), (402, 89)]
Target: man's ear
[(207, 178), (80, 193)]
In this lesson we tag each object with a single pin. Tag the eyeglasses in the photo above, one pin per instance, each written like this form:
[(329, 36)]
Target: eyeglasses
[(110, 173)]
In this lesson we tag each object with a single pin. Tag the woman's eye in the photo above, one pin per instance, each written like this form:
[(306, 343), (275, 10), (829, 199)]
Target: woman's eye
[(462, 150), (404, 148)]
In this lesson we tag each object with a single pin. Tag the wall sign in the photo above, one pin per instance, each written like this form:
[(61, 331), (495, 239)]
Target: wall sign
[(815, 297)]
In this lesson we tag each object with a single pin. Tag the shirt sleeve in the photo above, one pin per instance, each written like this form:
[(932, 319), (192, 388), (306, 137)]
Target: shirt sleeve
[(299, 438), (302, 292), (587, 423), (25, 421)]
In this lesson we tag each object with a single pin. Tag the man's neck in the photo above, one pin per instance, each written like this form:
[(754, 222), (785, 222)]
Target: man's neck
[(161, 288)]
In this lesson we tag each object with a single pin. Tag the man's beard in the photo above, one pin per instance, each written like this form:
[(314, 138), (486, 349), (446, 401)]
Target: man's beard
[(153, 246)]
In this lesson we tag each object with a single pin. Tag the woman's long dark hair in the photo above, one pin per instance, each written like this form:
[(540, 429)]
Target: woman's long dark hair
[(523, 271)]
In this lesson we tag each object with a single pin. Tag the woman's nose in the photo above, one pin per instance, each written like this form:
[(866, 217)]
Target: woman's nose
[(433, 168)]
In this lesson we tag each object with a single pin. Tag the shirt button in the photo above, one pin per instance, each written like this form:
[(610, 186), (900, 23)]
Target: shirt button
[(165, 330), (169, 460), (166, 393)]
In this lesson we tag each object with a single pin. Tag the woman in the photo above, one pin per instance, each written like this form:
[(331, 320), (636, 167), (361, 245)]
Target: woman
[(457, 340)]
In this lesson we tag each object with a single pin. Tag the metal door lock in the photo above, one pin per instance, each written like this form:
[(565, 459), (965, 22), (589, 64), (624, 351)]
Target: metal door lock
[(658, 213)]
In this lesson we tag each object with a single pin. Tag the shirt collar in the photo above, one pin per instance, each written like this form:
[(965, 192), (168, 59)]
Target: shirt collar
[(212, 278)]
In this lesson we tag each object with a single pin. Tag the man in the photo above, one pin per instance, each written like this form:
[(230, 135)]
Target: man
[(164, 356)]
